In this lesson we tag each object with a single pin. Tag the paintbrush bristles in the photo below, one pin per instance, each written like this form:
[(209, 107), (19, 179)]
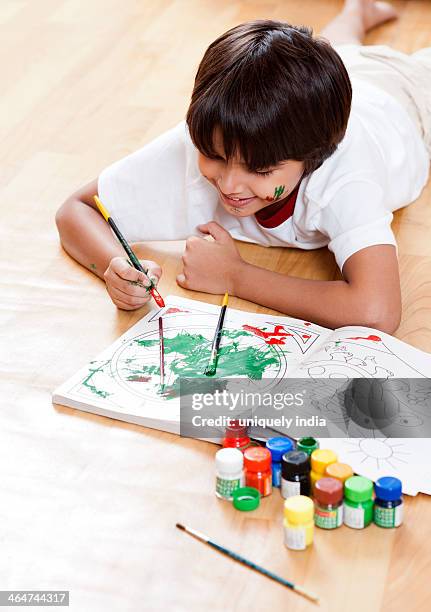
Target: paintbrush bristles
[(306, 593), (197, 534)]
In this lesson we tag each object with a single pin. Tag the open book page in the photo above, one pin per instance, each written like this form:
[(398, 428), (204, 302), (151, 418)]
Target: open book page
[(363, 352), (123, 381)]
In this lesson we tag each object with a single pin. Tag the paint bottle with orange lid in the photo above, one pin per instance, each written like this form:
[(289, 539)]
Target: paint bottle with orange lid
[(340, 471), (257, 466), (236, 436)]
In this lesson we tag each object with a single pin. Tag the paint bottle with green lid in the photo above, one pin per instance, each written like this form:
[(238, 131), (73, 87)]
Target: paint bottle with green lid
[(307, 444), (358, 502)]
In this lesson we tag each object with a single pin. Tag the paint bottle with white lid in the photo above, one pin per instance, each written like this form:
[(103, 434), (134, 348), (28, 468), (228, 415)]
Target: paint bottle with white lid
[(229, 472)]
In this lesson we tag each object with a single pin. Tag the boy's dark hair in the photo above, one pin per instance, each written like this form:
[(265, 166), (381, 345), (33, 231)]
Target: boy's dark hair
[(275, 92)]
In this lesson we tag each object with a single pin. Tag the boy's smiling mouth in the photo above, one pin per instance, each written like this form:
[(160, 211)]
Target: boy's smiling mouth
[(236, 202)]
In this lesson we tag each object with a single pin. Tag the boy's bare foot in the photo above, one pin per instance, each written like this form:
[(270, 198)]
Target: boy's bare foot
[(373, 13)]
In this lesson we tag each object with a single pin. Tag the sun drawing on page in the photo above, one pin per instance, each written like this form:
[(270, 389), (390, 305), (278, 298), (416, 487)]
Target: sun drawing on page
[(377, 452)]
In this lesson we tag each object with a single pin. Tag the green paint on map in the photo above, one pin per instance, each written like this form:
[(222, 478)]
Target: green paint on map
[(90, 386), (192, 352)]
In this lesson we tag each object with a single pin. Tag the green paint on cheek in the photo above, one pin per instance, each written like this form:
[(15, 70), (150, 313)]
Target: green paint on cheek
[(93, 266), (278, 192)]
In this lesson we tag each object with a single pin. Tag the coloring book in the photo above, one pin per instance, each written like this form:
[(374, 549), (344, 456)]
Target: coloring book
[(122, 382)]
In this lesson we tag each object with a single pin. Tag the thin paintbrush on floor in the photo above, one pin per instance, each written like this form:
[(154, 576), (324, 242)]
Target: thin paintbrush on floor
[(240, 559)]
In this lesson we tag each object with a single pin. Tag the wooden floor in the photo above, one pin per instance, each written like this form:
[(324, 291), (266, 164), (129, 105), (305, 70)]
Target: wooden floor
[(89, 504)]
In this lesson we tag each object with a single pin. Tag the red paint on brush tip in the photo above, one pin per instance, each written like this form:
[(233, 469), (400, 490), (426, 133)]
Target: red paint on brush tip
[(157, 298)]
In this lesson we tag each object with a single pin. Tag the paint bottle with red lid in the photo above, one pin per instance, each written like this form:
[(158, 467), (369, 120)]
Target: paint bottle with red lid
[(236, 436), (257, 466), (328, 498)]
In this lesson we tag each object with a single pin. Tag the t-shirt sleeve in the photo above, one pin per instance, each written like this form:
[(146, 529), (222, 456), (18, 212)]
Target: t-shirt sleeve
[(146, 192), (354, 219)]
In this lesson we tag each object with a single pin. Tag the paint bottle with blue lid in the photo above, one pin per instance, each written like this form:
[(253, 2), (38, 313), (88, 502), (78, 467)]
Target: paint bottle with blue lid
[(388, 503), (277, 447)]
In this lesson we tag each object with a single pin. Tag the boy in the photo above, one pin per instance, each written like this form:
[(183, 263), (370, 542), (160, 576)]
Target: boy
[(276, 151)]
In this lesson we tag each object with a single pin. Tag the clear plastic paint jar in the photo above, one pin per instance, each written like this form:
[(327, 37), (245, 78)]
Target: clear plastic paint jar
[(358, 502), (298, 522), (236, 436), (340, 471), (277, 447), (295, 474), (320, 459), (307, 444), (388, 503), (328, 498), (258, 474), (229, 472)]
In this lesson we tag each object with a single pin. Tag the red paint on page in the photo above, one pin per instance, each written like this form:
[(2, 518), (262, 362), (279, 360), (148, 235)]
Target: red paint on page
[(274, 337), (372, 338), (174, 310)]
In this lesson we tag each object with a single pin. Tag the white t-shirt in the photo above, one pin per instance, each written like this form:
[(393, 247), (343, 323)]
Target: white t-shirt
[(158, 193)]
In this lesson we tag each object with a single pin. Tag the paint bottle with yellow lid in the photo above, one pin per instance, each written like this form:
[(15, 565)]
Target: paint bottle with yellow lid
[(320, 459), (298, 522)]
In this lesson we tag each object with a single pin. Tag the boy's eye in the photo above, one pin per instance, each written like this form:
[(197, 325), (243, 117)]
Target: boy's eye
[(267, 173), (263, 173)]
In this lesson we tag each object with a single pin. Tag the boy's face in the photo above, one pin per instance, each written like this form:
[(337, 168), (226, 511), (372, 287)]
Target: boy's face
[(243, 193)]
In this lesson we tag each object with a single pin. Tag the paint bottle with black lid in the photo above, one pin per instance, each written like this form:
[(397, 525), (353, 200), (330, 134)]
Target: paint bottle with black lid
[(295, 474)]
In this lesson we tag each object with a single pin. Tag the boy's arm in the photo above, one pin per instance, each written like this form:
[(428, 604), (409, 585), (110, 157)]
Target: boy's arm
[(87, 237), (369, 295), (84, 233)]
